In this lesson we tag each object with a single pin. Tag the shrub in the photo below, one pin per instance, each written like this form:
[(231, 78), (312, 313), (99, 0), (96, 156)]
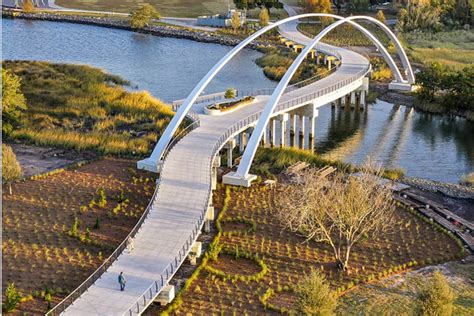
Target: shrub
[(314, 296), (141, 16), (230, 93), (11, 169), (437, 297), (12, 298), (468, 179)]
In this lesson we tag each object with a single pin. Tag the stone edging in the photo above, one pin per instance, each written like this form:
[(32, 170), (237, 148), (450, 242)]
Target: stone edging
[(449, 189), (161, 30)]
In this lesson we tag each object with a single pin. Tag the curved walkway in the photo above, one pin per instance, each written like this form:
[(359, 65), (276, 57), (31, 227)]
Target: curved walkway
[(183, 195)]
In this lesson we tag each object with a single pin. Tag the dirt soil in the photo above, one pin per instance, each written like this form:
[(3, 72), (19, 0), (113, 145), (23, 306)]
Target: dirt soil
[(409, 241), (42, 252), (35, 160)]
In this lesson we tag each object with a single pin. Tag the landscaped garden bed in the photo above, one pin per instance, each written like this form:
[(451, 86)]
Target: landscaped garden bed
[(58, 228), (219, 108), (410, 243)]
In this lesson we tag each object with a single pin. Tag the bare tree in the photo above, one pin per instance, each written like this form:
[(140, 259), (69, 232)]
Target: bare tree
[(339, 210)]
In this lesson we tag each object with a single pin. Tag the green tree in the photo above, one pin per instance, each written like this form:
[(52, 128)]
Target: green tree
[(264, 17), (419, 15), (12, 298), (436, 298), (235, 20), (252, 4), (11, 169), (141, 16), (28, 6), (314, 297), (463, 11), (430, 80), (318, 6), (358, 5), (13, 101), (381, 16)]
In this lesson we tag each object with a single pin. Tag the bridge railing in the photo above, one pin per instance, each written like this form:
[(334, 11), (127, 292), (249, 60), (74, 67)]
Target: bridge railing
[(201, 99), (81, 289), (147, 297), (154, 289)]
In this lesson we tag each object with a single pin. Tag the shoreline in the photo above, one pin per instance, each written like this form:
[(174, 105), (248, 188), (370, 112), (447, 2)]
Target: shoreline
[(409, 99), (161, 30)]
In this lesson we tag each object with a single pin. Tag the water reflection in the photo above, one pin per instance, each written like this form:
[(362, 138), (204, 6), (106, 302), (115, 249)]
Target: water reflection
[(427, 146)]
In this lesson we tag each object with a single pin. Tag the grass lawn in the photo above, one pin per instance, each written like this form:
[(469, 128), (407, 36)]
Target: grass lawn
[(39, 251), (453, 48), (346, 35), (259, 263), (173, 8), (83, 108), (400, 291)]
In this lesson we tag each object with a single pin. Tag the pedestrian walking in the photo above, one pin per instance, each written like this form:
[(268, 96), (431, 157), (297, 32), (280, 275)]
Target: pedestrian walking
[(121, 280)]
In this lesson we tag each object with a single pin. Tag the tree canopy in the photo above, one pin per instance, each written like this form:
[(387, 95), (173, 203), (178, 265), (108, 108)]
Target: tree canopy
[(337, 210), (13, 101), (264, 17), (252, 4), (143, 15)]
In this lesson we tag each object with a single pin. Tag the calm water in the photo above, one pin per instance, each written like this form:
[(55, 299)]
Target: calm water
[(426, 146)]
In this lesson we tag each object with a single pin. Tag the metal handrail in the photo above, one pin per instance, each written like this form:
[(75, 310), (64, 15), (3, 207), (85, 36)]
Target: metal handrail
[(179, 136), (149, 294), (68, 300)]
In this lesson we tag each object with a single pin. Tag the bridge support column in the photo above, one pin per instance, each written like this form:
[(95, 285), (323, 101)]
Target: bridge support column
[(230, 147), (293, 127), (353, 99), (166, 295), (362, 99), (273, 132), (303, 131), (282, 118), (210, 216), (242, 141), (195, 252), (265, 138)]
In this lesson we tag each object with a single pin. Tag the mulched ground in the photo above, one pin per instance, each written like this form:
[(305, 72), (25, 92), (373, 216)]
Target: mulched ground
[(38, 250)]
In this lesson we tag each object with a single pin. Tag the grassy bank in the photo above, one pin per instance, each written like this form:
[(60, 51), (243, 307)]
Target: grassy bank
[(451, 48), (269, 161), (83, 108), (175, 8)]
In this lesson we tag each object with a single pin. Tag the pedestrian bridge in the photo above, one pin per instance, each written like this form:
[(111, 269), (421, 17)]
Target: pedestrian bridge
[(187, 162)]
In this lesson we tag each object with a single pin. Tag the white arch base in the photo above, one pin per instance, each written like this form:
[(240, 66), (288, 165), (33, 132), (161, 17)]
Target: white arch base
[(232, 178), (150, 165), (401, 86)]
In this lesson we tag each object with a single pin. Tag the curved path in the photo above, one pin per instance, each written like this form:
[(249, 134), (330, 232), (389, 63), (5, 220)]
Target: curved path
[(184, 191)]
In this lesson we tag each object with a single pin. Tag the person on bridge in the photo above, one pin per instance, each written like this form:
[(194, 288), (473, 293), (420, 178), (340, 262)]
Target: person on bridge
[(121, 280)]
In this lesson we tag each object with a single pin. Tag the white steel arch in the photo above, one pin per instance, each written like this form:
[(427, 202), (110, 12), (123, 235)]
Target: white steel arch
[(153, 160), (249, 153)]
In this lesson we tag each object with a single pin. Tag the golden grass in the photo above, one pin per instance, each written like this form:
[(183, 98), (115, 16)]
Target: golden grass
[(82, 108), (455, 58)]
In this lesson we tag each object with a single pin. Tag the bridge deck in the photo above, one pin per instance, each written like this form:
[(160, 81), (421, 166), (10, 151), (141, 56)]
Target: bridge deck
[(181, 199)]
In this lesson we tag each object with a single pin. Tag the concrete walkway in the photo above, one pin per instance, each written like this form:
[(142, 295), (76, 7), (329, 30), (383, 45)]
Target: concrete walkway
[(183, 195)]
